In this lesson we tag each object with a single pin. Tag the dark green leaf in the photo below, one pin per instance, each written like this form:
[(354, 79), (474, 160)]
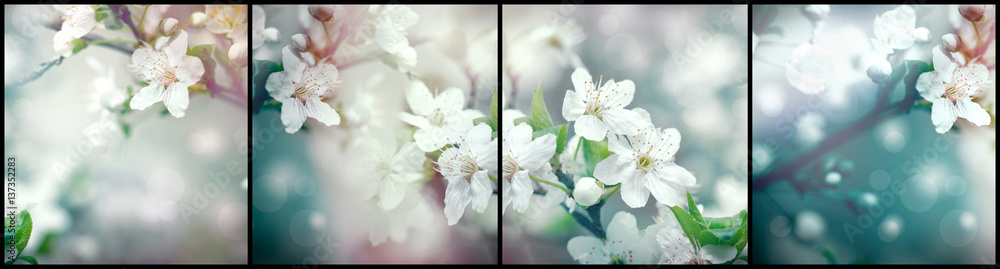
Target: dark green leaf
[(23, 231), (100, 16), (830, 254), (691, 227), (693, 209), (539, 114), (261, 70), (709, 238), (28, 259), (48, 243)]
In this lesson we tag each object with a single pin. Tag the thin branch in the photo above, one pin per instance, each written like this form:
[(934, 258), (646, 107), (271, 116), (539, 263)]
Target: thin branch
[(126, 17), (36, 74)]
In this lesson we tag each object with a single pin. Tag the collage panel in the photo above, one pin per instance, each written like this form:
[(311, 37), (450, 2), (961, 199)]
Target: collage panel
[(596, 100), (374, 134), (874, 134), (125, 134)]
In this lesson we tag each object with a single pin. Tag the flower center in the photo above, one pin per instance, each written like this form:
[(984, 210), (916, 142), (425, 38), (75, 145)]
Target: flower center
[(436, 118), (382, 169), (618, 253), (594, 106), (468, 167), (509, 166), (645, 163), (168, 75)]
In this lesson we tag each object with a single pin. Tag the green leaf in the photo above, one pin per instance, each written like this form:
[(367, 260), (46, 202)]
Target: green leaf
[(830, 254), (23, 231), (709, 238), (222, 57), (561, 140), (48, 243), (693, 208), (28, 259), (100, 16), (494, 120), (691, 227), (725, 236), (78, 45), (539, 114), (479, 120)]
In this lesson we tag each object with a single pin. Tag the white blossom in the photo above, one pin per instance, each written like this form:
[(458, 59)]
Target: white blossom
[(644, 164), (894, 30), (951, 87), (521, 156), (441, 118), (169, 72), (467, 169), (598, 111), (78, 20), (300, 89)]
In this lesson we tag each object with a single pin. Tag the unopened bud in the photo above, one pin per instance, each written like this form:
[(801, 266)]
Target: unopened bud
[(301, 42), (973, 13), (168, 26), (817, 12), (922, 35), (322, 13), (951, 42), (271, 34), (587, 192), (238, 54), (198, 19), (879, 71)]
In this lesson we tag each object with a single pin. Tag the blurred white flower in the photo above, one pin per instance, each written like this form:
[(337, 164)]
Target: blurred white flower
[(391, 171), (169, 73), (817, 12), (599, 111), (880, 70), (391, 23), (78, 20), (395, 224), (238, 54), (300, 89), (587, 192), (508, 116), (260, 34), (624, 244), (103, 92), (521, 156), (644, 163), (198, 19), (230, 20), (950, 87), (894, 29), (467, 168), (441, 119), (809, 69), (922, 34)]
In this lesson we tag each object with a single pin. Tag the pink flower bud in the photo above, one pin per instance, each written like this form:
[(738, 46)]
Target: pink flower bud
[(322, 13), (973, 13)]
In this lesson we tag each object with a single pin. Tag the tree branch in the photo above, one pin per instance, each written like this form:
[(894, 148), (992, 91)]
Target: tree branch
[(36, 74), (126, 17)]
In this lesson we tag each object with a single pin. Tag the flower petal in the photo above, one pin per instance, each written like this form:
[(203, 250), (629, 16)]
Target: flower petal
[(456, 197), (177, 48), (620, 94), (190, 70), (588, 250), (619, 145), (717, 254), (591, 128), (521, 190), (419, 98), (481, 190), (624, 121), (176, 99), (478, 137), (943, 115), (677, 174), (450, 100), (634, 192), (429, 139), (943, 66), (322, 112), (929, 86), (279, 86), (517, 139), (610, 172), (538, 152), (662, 191), (623, 227), (581, 80), (507, 198), (573, 106), (147, 96), (409, 158), (293, 114), (972, 112), (390, 194), (292, 64)]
